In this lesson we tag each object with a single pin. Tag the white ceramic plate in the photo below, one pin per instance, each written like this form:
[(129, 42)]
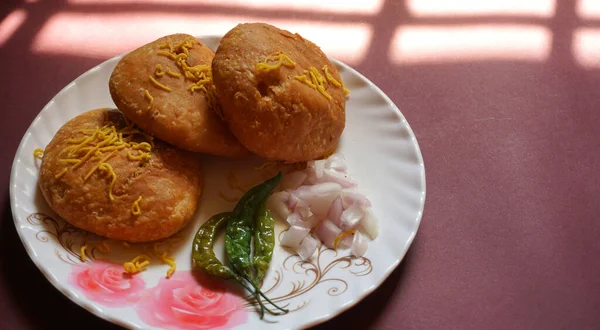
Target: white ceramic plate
[(383, 156)]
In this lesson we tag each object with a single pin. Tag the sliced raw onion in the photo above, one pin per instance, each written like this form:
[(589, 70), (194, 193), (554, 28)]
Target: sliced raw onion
[(336, 162), (359, 244), (335, 211), (337, 177), (277, 204), (351, 217), (324, 198), (293, 236), (307, 247), (327, 232), (319, 196), (295, 219), (312, 221), (293, 180), (351, 196), (314, 171), (304, 211), (346, 242), (369, 223)]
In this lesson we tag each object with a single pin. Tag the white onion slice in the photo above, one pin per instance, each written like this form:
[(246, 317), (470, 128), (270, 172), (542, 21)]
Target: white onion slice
[(312, 221), (351, 217), (319, 196), (324, 197), (293, 236), (307, 247), (304, 211), (293, 201), (295, 219), (328, 232), (293, 180), (336, 162), (337, 177), (359, 245), (369, 223), (318, 166), (351, 196), (314, 171), (345, 242), (335, 211), (277, 204)]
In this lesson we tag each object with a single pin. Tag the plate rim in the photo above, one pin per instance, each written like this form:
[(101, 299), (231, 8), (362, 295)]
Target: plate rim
[(128, 324)]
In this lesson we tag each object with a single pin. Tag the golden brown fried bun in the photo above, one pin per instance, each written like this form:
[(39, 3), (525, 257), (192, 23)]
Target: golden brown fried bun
[(280, 95), (105, 176), (165, 88)]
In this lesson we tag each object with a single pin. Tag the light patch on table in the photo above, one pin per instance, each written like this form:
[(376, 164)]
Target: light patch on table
[(11, 24), (106, 35), (588, 9), (586, 47), (335, 6), (424, 44), (537, 8)]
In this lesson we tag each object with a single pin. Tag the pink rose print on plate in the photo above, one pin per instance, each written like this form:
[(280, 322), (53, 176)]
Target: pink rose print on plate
[(107, 284), (190, 300)]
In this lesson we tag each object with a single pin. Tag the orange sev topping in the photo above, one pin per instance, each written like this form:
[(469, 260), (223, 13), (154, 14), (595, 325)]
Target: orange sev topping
[(341, 236), (135, 208), (159, 85)]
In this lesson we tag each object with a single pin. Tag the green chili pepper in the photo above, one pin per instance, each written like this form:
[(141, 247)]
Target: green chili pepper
[(238, 235), (264, 242), (203, 255)]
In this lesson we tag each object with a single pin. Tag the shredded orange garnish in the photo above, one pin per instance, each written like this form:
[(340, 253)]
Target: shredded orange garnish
[(173, 74), (158, 71), (102, 161), (140, 155), (82, 251), (200, 74), (99, 145), (171, 262), (329, 77), (166, 53), (316, 81), (60, 174), (342, 235), (159, 85), (162, 255), (150, 99), (106, 167), (280, 59), (167, 45), (333, 81), (135, 208), (137, 265), (38, 153)]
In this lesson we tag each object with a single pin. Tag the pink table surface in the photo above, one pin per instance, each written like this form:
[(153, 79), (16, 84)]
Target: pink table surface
[(509, 237)]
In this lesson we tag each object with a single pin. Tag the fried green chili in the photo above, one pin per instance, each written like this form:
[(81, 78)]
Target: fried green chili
[(238, 235), (264, 242), (203, 255)]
